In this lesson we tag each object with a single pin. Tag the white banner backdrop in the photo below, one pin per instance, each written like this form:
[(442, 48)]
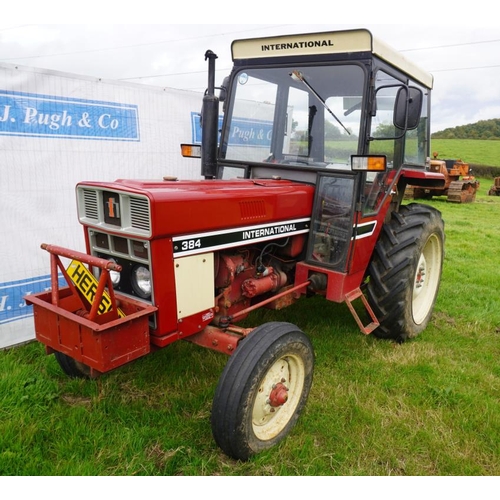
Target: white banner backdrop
[(57, 129)]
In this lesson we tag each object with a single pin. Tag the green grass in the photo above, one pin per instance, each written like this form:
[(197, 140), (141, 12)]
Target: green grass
[(473, 151), (428, 407)]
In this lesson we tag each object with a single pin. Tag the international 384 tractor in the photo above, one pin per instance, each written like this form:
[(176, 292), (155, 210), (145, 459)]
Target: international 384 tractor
[(301, 194)]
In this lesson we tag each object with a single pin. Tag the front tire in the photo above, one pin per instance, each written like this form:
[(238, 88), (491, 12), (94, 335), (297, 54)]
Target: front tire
[(405, 271), (262, 390)]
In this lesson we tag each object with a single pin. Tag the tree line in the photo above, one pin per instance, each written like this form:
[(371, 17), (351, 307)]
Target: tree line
[(484, 129)]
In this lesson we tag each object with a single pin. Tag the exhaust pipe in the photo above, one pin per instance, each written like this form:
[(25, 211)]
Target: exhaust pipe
[(209, 122)]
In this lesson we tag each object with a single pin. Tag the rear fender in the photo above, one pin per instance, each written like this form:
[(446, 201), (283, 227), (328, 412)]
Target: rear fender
[(422, 178)]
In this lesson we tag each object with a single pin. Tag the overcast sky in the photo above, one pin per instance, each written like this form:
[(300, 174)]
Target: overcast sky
[(463, 54)]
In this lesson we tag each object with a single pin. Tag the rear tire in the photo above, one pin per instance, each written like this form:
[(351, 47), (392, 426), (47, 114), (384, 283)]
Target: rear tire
[(405, 272), (262, 390)]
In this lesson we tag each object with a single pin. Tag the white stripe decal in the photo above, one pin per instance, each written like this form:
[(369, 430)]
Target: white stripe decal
[(216, 240)]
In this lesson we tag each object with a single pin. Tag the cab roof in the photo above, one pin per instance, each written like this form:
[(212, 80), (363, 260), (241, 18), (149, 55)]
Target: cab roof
[(330, 42)]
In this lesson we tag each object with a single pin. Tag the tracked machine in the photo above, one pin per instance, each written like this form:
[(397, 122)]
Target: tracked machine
[(460, 185), (301, 195)]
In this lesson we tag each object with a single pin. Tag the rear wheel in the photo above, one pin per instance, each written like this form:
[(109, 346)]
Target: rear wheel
[(405, 271), (262, 390), (71, 367)]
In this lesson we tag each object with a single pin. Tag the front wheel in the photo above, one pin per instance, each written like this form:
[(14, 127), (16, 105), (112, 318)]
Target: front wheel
[(405, 271), (262, 390)]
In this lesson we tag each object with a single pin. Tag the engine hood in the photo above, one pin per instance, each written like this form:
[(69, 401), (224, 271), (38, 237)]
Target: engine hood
[(188, 207)]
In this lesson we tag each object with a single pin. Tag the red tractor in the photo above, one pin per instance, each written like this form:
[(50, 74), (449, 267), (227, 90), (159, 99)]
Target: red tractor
[(302, 195)]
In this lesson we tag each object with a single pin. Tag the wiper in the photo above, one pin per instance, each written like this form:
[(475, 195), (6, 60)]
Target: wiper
[(299, 77)]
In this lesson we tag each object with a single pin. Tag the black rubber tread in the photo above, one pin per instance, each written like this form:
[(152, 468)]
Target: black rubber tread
[(232, 404), (392, 269), (71, 367)]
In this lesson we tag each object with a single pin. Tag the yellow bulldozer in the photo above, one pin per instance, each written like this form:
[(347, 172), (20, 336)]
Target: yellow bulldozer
[(460, 186)]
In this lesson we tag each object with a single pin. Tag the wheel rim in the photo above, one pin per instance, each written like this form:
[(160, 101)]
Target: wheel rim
[(426, 280), (278, 397)]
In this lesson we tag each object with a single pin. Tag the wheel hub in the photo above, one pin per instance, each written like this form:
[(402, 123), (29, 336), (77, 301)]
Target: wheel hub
[(421, 272), (279, 395)]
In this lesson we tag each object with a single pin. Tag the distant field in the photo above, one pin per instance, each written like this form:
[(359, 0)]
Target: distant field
[(476, 152)]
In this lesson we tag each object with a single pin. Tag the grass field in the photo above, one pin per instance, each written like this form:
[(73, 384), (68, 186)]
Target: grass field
[(428, 407), (476, 152)]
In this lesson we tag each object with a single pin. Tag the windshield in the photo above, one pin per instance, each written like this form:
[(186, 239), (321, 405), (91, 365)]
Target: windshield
[(298, 115)]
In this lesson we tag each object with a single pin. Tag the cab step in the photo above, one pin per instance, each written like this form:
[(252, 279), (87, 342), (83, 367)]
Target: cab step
[(353, 296)]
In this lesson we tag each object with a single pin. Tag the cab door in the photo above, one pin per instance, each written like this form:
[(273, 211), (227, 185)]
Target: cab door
[(332, 221)]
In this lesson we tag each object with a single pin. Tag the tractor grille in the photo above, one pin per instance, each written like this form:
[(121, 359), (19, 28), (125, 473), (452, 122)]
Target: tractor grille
[(114, 210), (139, 214), (91, 208)]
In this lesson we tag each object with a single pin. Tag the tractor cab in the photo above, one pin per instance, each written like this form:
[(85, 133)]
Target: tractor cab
[(300, 104), (338, 110)]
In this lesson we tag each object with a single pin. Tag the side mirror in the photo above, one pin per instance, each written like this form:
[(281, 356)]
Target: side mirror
[(223, 89), (408, 108), (223, 93)]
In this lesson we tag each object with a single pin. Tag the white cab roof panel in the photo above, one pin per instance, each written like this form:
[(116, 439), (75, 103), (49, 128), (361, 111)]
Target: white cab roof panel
[(333, 42)]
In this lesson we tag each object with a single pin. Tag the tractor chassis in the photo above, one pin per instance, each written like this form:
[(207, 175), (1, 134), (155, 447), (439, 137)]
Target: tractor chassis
[(67, 324)]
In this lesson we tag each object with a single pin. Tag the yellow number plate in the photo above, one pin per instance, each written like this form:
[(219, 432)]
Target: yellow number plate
[(87, 283)]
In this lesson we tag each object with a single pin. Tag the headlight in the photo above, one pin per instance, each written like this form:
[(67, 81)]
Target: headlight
[(141, 281), (114, 275)]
